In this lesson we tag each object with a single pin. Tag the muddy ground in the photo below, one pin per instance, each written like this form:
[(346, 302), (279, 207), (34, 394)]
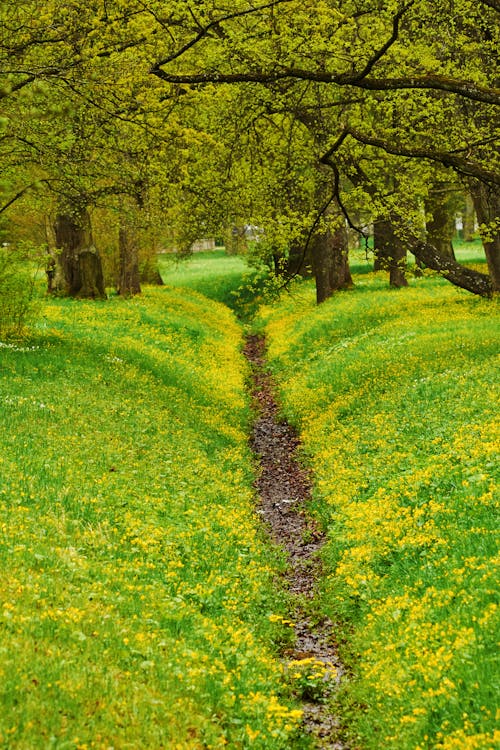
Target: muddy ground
[(284, 488)]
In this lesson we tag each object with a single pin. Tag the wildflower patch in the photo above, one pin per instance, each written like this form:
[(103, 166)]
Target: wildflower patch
[(395, 395), (137, 603)]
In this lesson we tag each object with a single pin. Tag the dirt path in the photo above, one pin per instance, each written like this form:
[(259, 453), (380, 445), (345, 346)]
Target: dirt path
[(284, 487)]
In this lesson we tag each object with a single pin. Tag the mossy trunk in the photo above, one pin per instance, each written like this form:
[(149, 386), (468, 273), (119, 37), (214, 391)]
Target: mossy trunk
[(469, 218), (440, 220), (129, 277), (390, 252), (79, 272), (330, 261), (487, 204)]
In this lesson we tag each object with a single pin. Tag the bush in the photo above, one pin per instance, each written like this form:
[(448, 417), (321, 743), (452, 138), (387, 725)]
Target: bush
[(17, 287)]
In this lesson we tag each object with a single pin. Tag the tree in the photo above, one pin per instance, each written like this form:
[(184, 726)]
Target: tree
[(360, 91), (369, 57), (440, 219), (78, 261), (82, 121), (487, 204), (390, 251)]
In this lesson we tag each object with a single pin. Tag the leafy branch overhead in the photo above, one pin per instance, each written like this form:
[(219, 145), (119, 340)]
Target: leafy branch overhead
[(276, 71), (211, 114), (426, 82)]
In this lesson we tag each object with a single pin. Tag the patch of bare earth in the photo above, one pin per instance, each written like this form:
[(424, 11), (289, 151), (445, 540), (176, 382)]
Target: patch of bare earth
[(284, 488)]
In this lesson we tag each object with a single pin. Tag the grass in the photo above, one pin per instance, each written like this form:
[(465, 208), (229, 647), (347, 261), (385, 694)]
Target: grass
[(212, 273), (138, 606), (395, 394)]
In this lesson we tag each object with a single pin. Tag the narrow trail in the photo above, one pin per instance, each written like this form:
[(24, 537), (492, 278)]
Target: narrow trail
[(284, 487)]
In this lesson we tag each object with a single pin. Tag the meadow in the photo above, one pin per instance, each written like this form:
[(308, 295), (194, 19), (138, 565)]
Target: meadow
[(212, 273), (395, 395), (141, 604), (139, 607)]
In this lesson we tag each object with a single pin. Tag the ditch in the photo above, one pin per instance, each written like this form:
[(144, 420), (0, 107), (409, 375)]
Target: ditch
[(284, 487)]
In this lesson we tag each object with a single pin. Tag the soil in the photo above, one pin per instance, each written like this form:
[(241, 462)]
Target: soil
[(284, 487)]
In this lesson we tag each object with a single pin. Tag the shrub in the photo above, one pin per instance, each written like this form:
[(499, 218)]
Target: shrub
[(17, 291)]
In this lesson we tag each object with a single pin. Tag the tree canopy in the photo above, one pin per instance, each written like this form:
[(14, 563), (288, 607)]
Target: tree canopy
[(293, 116)]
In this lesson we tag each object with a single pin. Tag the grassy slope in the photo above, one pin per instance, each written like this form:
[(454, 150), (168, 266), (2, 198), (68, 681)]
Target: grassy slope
[(396, 396), (212, 273), (136, 589)]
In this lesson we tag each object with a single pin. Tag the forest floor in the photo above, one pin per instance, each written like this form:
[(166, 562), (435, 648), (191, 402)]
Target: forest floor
[(284, 488)]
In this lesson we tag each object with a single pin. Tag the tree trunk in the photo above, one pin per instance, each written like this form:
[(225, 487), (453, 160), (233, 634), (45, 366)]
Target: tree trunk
[(55, 280), (440, 223), (468, 219), (487, 204), (79, 262), (463, 277), (330, 261), (390, 252), (380, 233), (129, 280), (236, 241)]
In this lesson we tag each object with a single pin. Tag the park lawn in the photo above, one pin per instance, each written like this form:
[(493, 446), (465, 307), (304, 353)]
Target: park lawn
[(138, 600), (213, 273), (395, 395)]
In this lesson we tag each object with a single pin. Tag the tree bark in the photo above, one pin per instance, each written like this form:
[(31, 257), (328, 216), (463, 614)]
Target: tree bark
[(440, 223), (129, 277), (487, 204), (390, 252), (329, 251), (463, 277), (79, 261), (468, 219)]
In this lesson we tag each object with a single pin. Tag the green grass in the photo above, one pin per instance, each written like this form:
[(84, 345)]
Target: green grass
[(395, 394), (229, 279), (138, 605), (212, 273)]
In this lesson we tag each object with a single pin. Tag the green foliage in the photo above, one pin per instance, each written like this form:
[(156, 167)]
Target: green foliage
[(103, 112), (17, 292), (395, 398), (259, 286), (225, 278), (139, 601)]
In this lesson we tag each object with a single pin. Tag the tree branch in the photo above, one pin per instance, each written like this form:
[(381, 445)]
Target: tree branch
[(466, 89), (310, 233), (19, 195), (461, 87), (461, 276), (20, 85), (385, 47), (342, 207), (446, 158), (205, 30)]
